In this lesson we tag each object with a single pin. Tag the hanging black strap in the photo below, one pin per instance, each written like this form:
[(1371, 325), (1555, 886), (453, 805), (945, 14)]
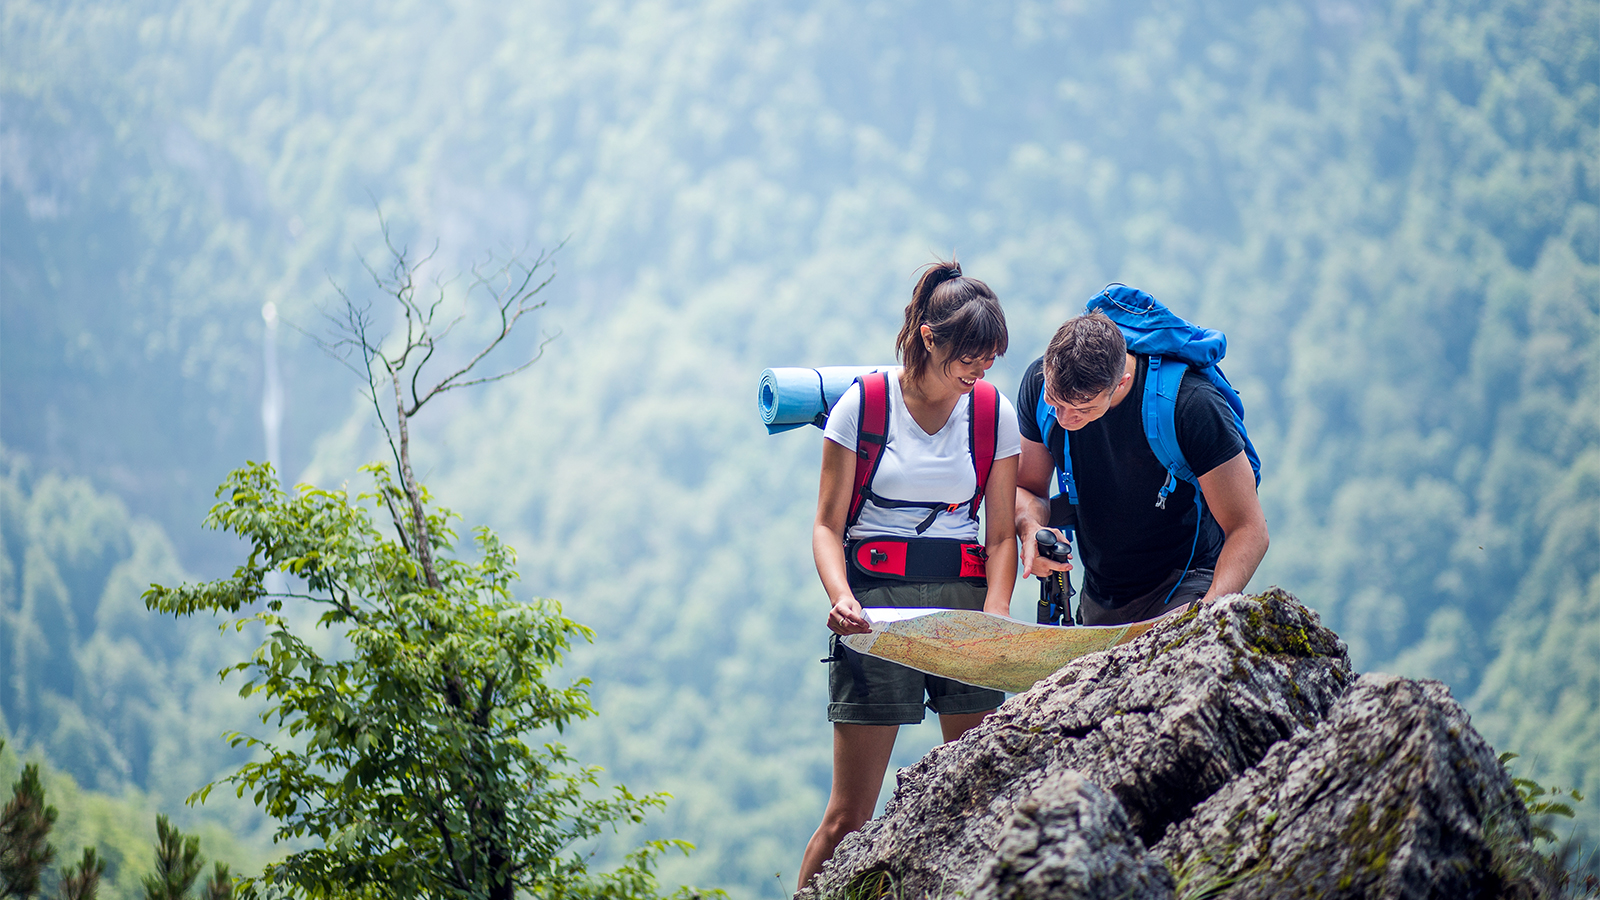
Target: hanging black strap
[(838, 652)]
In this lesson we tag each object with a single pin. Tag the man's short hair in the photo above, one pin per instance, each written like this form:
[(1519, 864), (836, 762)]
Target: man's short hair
[(1086, 357)]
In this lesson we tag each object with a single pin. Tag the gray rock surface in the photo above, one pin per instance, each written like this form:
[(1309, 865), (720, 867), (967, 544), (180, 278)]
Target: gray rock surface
[(1393, 796), (1069, 840), (1160, 723), (1236, 744)]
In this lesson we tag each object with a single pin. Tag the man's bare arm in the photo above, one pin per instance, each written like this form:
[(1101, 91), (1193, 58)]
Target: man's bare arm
[(1033, 506), (1230, 492)]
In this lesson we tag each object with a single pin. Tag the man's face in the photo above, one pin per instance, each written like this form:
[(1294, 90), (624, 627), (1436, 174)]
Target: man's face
[(1073, 416)]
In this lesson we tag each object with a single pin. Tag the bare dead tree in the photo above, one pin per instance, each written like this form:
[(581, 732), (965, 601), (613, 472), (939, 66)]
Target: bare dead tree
[(394, 364)]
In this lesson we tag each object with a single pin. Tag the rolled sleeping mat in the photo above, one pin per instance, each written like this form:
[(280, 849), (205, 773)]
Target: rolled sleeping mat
[(790, 397)]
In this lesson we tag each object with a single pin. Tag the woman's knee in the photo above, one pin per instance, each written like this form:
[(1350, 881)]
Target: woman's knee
[(840, 820)]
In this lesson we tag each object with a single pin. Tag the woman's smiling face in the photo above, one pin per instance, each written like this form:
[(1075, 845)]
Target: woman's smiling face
[(968, 369), (961, 373)]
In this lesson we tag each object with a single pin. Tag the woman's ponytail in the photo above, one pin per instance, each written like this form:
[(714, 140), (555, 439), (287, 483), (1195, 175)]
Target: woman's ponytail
[(955, 308)]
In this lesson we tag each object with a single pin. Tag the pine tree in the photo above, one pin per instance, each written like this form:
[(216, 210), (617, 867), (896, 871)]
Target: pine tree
[(25, 826), (84, 882), (25, 852), (220, 887), (178, 864)]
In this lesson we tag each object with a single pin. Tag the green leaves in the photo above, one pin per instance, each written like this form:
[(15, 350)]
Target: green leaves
[(407, 754), (1544, 803)]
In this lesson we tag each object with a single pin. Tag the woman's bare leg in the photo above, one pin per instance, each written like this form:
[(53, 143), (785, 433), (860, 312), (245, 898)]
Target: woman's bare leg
[(954, 726), (860, 759)]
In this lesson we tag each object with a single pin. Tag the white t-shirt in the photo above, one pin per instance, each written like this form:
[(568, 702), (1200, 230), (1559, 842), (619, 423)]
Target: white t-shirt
[(920, 466)]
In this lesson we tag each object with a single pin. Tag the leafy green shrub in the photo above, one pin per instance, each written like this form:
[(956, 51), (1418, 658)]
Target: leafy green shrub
[(412, 760)]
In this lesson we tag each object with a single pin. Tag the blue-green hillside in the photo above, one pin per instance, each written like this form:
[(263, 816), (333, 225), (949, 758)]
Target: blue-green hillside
[(1393, 210)]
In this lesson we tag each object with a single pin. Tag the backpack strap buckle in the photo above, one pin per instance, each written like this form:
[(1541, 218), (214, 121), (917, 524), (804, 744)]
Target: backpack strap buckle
[(1161, 495)]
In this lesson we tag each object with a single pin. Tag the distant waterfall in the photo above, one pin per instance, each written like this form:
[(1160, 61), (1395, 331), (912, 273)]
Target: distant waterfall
[(272, 413), (272, 392)]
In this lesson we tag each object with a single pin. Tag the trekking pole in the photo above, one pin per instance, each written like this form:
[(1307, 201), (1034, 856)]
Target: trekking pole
[(1055, 590), (1049, 601)]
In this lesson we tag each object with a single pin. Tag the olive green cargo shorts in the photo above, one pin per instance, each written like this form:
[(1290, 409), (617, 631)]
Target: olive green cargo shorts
[(865, 690)]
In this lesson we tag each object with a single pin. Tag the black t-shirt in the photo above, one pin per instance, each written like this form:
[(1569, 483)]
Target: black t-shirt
[(1126, 545)]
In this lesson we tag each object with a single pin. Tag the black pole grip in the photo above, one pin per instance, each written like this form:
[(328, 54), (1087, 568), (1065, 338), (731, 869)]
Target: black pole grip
[(1055, 590)]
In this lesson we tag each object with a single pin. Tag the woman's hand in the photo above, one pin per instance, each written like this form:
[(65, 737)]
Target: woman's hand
[(846, 617)]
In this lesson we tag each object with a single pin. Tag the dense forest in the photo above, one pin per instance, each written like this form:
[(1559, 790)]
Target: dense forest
[(1393, 210)]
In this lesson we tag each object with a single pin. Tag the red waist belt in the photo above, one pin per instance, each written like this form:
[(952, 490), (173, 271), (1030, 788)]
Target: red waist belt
[(917, 559)]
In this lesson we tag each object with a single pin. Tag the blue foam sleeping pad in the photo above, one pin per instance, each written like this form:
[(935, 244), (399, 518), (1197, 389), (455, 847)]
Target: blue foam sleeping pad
[(790, 397)]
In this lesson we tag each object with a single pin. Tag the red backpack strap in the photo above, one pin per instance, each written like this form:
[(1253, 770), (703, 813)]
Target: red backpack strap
[(984, 421), (872, 434)]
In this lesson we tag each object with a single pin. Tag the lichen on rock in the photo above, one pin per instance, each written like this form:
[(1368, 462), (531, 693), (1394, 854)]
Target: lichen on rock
[(1392, 795)]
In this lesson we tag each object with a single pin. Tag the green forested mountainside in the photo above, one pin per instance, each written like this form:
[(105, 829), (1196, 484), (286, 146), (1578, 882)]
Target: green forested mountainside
[(1390, 208), (138, 252), (115, 696)]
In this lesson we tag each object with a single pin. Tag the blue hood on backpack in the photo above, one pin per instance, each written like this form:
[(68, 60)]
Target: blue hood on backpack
[(1153, 330), (1149, 328)]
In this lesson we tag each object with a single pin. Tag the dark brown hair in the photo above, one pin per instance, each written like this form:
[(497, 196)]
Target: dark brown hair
[(1087, 356), (961, 312)]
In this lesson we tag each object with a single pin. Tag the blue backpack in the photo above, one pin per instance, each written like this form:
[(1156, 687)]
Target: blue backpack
[(1173, 346)]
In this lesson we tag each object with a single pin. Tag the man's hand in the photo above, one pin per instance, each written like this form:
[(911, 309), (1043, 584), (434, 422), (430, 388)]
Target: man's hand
[(1038, 565)]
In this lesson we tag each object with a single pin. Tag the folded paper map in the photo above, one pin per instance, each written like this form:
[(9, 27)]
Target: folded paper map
[(981, 648)]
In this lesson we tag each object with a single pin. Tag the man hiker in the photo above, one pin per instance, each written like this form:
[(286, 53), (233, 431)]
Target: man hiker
[(1149, 545)]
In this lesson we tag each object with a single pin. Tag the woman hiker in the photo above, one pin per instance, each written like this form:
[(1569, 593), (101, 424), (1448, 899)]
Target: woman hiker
[(909, 537)]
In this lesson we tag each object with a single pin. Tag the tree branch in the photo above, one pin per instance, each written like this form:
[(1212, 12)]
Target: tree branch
[(514, 290)]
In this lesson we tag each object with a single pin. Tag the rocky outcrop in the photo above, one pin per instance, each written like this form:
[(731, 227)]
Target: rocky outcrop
[(1071, 840), (1229, 740), (1393, 795)]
